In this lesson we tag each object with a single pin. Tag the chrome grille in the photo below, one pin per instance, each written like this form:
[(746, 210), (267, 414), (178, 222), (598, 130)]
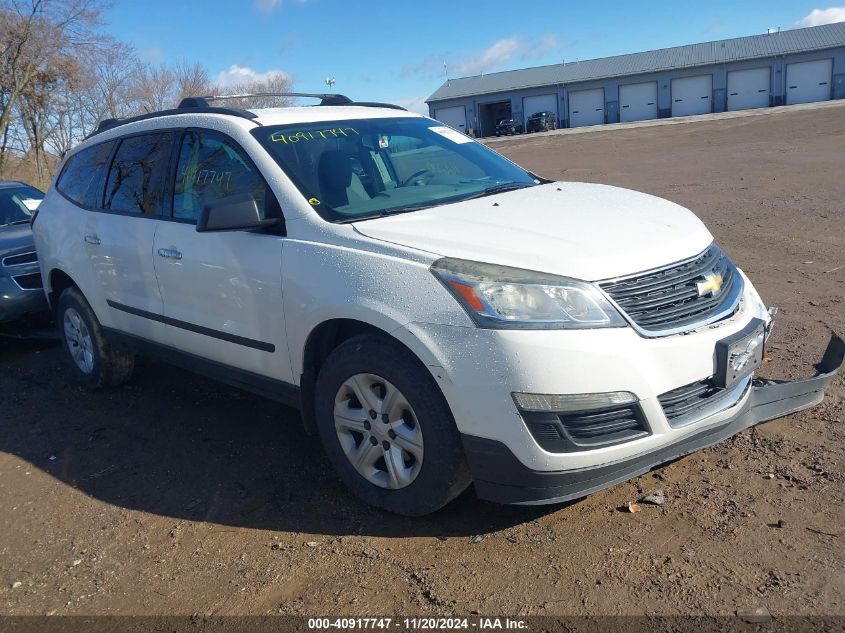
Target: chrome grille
[(669, 299), (32, 281), (22, 258)]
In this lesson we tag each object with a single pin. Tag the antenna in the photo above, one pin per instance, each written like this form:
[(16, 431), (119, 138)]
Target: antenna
[(330, 81)]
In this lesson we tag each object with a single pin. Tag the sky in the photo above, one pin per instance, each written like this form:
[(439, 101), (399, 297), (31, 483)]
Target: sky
[(401, 51)]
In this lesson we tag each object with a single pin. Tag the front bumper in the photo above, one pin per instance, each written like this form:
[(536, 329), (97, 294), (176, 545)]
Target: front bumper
[(499, 476), (17, 303)]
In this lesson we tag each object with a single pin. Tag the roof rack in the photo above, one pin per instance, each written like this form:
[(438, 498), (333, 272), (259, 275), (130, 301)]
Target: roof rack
[(200, 105), (107, 124), (325, 99), (376, 104)]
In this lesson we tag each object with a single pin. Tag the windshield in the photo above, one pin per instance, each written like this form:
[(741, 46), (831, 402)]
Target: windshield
[(17, 204), (364, 168)]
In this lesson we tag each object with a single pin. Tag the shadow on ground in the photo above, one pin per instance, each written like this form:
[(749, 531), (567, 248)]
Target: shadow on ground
[(174, 444)]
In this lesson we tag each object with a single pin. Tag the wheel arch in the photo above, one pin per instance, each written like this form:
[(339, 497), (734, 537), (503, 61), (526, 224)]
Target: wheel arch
[(57, 282), (321, 341)]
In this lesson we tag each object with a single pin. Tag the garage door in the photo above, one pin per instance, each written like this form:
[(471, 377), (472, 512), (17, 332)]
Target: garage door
[(808, 81), (453, 117), (748, 89), (692, 95), (586, 107), (543, 103), (638, 102)]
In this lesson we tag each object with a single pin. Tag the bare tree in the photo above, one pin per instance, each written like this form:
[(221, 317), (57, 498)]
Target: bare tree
[(153, 88), (115, 69), (276, 83), (191, 81), (76, 109), (60, 77), (37, 36), (162, 87)]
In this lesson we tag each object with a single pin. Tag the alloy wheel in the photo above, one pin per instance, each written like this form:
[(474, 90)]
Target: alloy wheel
[(78, 340)]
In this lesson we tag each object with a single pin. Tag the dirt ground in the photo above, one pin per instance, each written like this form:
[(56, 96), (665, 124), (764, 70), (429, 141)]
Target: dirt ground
[(176, 495)]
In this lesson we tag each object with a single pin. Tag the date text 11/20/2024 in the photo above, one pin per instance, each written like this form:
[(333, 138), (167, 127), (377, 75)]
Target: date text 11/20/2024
[(423, 623)]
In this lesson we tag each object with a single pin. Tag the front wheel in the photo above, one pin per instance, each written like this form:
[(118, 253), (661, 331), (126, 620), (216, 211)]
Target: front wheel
[(97, 363), (387, 429)]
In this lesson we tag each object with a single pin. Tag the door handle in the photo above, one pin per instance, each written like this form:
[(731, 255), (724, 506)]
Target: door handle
[(169, 253), (92, 239)]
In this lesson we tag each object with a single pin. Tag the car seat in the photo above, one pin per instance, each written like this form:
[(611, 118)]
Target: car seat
[(339, 185)]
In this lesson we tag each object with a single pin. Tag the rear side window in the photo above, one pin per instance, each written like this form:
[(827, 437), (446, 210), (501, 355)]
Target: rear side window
[(211, 168), (137, 175), (84, 174)]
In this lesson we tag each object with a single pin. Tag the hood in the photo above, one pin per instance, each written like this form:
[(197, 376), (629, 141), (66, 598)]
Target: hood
[(15, 238), (579, 230)]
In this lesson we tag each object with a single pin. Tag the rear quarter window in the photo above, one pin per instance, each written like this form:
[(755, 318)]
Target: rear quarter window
[(84, 176), (136, 178)]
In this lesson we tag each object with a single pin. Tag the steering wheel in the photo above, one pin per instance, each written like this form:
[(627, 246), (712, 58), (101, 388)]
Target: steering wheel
[(418, 177)]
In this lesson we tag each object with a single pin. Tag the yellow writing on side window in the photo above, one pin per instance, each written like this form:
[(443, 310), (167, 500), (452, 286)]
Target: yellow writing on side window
[(317, 135)]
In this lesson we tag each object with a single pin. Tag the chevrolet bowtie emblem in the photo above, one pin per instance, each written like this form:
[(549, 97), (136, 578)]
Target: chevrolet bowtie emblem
[(711, 285)]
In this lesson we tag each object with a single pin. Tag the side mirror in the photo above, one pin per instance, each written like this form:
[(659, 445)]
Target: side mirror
[(232, 213)]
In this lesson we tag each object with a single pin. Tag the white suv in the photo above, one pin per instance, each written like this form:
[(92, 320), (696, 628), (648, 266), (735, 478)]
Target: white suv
[(440, 315)]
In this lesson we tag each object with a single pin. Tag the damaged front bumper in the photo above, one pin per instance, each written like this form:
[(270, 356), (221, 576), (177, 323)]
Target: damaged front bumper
[(499, 476)]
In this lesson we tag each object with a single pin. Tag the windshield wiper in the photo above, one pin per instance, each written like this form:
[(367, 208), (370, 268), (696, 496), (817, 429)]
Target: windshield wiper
[(18, 222), (386, 212), (500, 188), (489, 191)]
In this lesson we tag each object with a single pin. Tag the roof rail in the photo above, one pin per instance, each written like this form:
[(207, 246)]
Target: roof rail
[(376, 104), (108, 124), (200, 105), (325, 99)]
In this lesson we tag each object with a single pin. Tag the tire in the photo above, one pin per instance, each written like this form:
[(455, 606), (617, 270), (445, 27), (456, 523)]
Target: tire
[(96, 362), (441, 473)]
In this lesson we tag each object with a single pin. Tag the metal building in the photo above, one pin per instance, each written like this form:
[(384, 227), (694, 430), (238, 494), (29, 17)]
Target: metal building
[(786, 67)]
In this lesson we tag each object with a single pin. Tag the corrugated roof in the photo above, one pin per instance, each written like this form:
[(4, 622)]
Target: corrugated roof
[(740, 48)]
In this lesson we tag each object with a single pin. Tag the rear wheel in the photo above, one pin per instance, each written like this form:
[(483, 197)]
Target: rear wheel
[(96, 361), (387, 428)]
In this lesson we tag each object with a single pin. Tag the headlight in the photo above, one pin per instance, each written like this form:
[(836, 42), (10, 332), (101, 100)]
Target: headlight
[(503, 297)]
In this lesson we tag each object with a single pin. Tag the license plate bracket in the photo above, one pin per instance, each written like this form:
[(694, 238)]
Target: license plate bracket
[(740, 354)]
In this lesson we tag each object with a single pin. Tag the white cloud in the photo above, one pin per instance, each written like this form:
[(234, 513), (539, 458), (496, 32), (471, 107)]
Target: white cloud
[(817, 17), (431, 66), (151, 55), (540, 47), (266, 6), (493, 58), (490, 58), (238, 75), (714, 26), (414, 104)]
